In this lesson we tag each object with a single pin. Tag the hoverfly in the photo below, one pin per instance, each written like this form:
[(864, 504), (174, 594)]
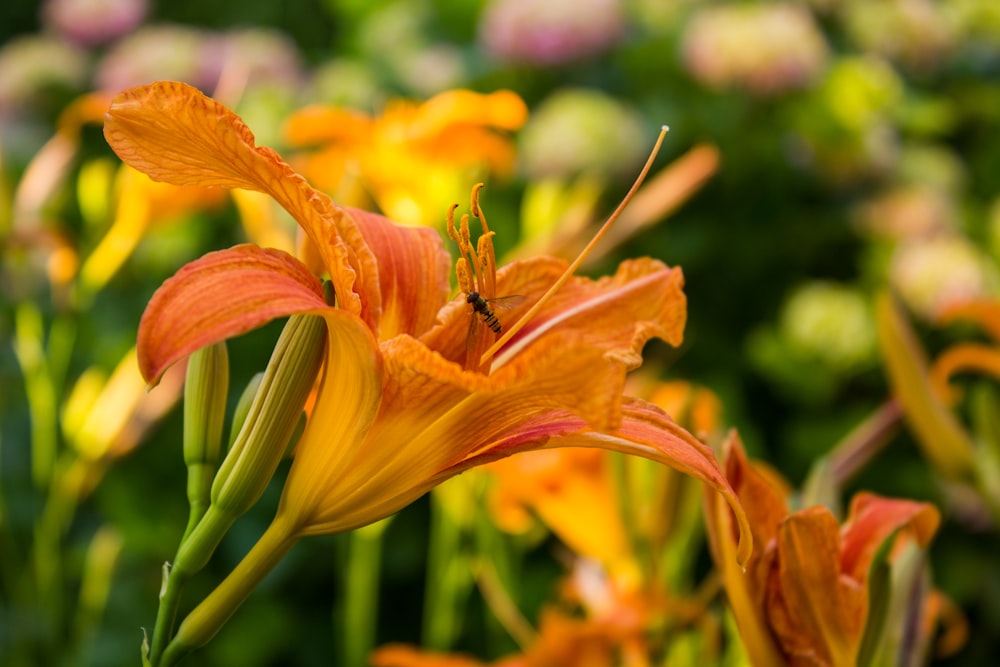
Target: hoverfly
[(483, 310)]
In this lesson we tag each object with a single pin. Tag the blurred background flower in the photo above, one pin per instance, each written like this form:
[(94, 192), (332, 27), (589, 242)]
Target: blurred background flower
[(551, 33), (762, 49)]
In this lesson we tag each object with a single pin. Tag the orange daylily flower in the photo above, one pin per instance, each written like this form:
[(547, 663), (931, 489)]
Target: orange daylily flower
[(562, 640), (577, 495), (397, 411), (571, 491), (803, 598), (411, 158)]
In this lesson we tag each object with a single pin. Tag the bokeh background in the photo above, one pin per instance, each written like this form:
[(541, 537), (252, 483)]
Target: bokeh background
[(857, 146)]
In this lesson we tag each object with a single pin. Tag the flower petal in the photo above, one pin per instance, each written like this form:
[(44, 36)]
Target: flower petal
[(346, 406), (985, 312), (873, 519), (619, 313), (746, 587), (434, 415), (817, 613), (412, 270), (320, 124), (645, 431), (502, 109), (572, 492), (222, 294), (963, 357), (173, 133)]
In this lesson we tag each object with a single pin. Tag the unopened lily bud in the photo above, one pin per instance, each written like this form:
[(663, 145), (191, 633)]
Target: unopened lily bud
[(205, 391), (270, 422), (243, 407), (273, 415)]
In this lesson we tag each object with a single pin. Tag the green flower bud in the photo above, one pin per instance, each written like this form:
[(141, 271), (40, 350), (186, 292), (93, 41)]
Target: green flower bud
[(270, 422), (205, 391), (243, 407)]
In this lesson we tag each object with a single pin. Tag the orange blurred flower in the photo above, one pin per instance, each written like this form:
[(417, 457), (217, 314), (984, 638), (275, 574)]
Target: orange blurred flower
[(412, 158)]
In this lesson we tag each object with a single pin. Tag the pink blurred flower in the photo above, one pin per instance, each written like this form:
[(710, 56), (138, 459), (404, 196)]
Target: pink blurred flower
[(762, 49), (552, 32), (88, 22), (198, 57), (162, 52)]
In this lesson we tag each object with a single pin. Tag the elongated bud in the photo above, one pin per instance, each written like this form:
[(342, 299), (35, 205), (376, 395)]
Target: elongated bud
[(273, 415), (270, 422), (243, 407), (205, 390)]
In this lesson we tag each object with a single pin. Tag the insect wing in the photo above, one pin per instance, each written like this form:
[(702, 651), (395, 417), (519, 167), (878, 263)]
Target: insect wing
[(502, 303)]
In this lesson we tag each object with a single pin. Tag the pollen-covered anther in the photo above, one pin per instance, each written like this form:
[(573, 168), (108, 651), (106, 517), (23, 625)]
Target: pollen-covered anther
[(463, 275), (474, 205)]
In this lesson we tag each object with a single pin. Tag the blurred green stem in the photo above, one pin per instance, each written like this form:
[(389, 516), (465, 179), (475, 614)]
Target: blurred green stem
[(95, 585), (364, 561), (498, 582), (40, 391), (864, 442), (445, 587)]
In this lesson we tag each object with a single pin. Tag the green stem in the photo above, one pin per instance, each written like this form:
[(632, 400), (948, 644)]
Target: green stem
[(208, 617), (192, 556), (361, 599), (68, 477), (95, 586), (443, 590), (865, 441), (40, 391)]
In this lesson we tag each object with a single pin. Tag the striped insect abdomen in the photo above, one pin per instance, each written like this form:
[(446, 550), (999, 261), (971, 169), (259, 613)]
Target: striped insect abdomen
[(482, 308)]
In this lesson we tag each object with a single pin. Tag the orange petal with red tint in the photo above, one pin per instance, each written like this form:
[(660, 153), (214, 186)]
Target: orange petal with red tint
[(873, 519), (220, 295), (413, 271)]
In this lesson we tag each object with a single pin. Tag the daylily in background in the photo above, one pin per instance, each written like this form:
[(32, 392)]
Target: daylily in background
[(814, 591), (410, 160), (402, 404), (618, 513)]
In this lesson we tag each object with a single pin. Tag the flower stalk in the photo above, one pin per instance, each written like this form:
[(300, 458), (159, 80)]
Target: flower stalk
[(251, 461)]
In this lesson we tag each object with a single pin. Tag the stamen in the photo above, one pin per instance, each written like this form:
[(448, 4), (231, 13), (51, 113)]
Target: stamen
[(512, 330), (484, 247), (452, 232), (474, 207), (462, 272)]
